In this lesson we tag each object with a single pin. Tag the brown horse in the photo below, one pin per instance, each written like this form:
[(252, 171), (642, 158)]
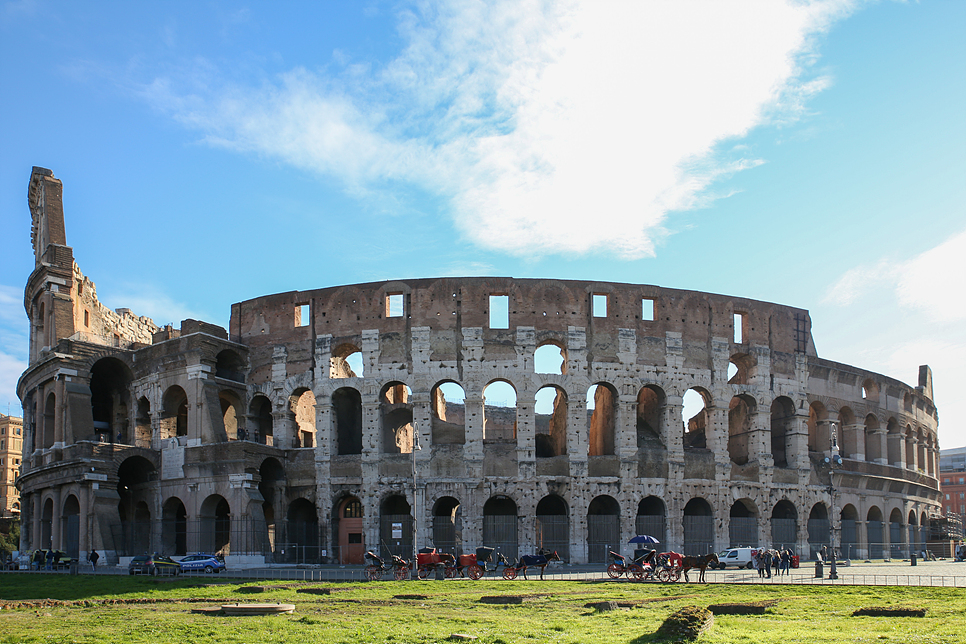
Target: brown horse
[(701, 563)]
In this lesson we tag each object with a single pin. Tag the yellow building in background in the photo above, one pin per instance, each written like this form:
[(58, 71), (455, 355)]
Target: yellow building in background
[(11, 446)]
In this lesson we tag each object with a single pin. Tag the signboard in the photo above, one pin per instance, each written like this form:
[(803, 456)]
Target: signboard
[(396, 531)]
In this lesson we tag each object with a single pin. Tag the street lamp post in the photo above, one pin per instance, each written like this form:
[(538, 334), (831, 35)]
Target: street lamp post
[(415, 510), (832, 461)]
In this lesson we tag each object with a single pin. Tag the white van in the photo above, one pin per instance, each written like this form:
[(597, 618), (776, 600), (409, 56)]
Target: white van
[(738, 557)]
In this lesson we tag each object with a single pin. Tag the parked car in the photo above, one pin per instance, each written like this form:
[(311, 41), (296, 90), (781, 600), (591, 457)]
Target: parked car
[(738, 557), (200, 561), (153, 565)]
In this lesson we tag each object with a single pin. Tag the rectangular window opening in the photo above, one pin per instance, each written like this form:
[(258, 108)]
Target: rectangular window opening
[(394, 305), (647, 309), (499, 311), (301, 315), (87, 318), (600, 305), (739, 328)]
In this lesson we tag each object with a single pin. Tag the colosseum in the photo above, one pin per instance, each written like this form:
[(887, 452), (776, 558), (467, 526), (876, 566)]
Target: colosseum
[(459, 412)]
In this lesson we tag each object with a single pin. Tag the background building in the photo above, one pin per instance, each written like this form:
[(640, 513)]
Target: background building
[(952, 472), (569, 415), (11, 442)]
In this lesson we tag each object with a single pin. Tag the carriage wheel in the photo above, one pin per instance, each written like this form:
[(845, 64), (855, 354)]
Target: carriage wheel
[(636, 571), (452, 572), (615, 570), (675, 575), (401, 573), (664, 575), (509, 573), (373, 572), (475, 571), (423, 572)]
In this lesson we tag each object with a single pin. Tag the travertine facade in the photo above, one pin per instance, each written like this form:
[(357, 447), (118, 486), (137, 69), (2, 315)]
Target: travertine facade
[(267, 441), (11, 441)]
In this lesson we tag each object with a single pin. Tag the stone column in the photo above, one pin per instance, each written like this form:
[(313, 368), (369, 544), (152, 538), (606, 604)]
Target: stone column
[(60, 413), (473, 424), (84, 518), (861, 539), (577, 436), (857, 431), (880, 436), (897, 445), (912, 447), (796, 443), (526, 435)]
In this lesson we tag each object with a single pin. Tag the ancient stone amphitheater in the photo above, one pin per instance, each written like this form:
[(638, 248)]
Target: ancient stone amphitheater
[(569, 415)]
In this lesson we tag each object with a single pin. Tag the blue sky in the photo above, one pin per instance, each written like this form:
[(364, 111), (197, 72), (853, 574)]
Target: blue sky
[(810, 154)]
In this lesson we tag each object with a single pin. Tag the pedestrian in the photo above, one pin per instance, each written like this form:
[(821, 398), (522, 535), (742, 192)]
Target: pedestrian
[(38, 559), (757, 559), (50, 560), (93, 557), (766, 555), (776, 562), (786, 560)]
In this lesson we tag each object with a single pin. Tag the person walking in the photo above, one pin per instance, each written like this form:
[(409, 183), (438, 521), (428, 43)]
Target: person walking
[(50, 560), (93, 557)]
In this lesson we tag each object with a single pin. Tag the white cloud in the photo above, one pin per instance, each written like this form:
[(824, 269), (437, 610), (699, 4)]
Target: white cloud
[(160, 307), (932, 281), (536, 118)]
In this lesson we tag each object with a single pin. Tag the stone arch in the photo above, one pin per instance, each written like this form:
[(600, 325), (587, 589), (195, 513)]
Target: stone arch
[(553, 525), (346, 362), (395, 404), (698, 523), (232, 414), (230, 366), (347, 518), (500, 525), (818, 433), (602, 419), (447, 524), (500, 413), (873, 444), (142, 424), (784, 525), (782, 425), (215, 519), (47, 524), (849, 539), (603, 528), (741, 420), (914, 540), (70, 527), (174, 412), (910, 438), (550, 415), (301, 404), (696, 402), (894, 441), (743, 524), (263, 424), (174, 526), (50, 416), (271, 486), (136, 488), (396, 525), (742, 369), (447, 399), (874, 532), (652, 520), (110, 398), (550, 357), (852, 441), (895, 533), (302, 532), (819, 528), (870, 391), (651, 402), (347, 415)]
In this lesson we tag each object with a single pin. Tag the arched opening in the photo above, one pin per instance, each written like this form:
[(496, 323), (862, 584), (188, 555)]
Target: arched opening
[(819, 528), (784, 525), (601, 420), (174, 527), (851, 442), (50, 413), (925, 464), (914, 542), (215, 518), (782, 418), (447, 525), (110, 380), (873, 526), (741, 415), (347, 412), (396, 523), (500, 525), (346, 362), (553, 526), (263, 425), (47, 524), (230, 366), (652, 520), (698, 523), (910, 440), (743, 524), (894, 442), (348, 525), (70, 529), (603, 528), (849, 540), (818, 436), (397, 418), (232, 415), (550, 412), (302, 417), (302, 533), (873, 440), (695, 416), (449, 414), (136, 486), (650, 417), (142, 424), (174, 413), (895, 534), (870, 391), (272, 488), (550, 357), (741, 369), (499, 411)]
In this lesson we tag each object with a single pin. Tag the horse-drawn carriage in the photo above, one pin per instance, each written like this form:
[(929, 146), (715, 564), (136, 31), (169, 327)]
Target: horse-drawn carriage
[(377, 567), (483, 562), (665, 567), (428, 559)]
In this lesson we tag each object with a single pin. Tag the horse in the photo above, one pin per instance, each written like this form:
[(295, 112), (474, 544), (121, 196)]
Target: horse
[(701, 563), (539, 560)]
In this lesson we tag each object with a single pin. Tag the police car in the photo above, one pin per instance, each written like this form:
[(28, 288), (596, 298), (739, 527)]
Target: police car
[(202, 562)]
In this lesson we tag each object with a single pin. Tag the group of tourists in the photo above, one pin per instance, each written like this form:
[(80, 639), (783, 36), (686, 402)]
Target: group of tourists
[(767, 560)]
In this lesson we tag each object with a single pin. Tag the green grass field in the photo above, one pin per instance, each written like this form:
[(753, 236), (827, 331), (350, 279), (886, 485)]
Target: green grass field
[(367, 612)]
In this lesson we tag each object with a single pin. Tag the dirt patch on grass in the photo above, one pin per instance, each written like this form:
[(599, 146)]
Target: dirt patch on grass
[(890, 611), (745, 608)]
